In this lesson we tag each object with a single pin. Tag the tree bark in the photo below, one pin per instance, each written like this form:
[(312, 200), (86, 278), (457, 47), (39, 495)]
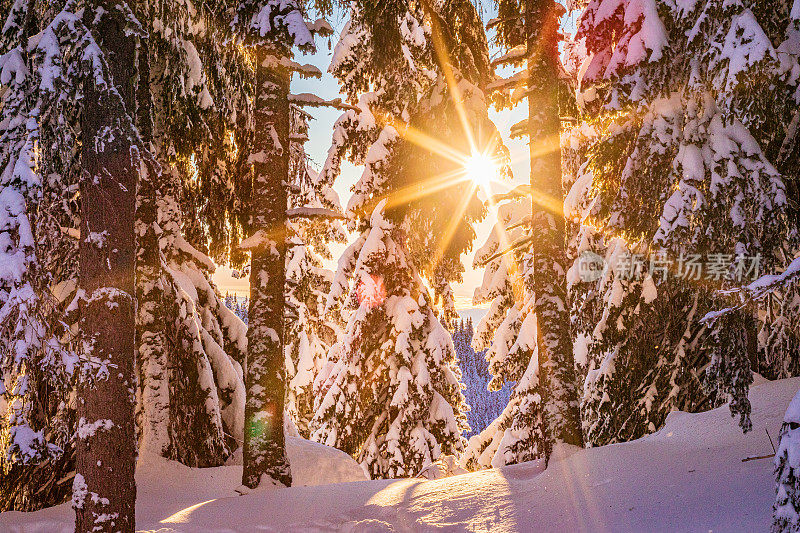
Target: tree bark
[(104, 490), (557, 378), (264, 444), (151, 357)]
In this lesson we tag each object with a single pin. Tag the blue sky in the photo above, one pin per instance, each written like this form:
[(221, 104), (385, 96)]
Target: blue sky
[(320, 138)]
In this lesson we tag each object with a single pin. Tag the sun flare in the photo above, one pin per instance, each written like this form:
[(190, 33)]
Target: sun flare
[(481, 170)]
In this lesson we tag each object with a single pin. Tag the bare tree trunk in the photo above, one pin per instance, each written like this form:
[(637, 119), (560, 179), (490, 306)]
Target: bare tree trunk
[(557, 378), (264, 444), (104, 490)]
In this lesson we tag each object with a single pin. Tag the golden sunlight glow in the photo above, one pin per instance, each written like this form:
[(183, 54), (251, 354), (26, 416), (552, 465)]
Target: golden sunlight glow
[(481, 170)]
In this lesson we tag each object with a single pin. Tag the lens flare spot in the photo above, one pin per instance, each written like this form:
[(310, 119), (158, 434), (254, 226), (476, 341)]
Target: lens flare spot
[(371, 291)]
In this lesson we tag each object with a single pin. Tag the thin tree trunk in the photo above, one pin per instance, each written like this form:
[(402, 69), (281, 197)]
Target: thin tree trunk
[(104, 490), (264, 444), (556, 365)]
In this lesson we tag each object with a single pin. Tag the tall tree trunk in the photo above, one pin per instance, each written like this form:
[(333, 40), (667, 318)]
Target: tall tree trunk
[(104, 490), (264, 444), (151, 357), (557, 378)]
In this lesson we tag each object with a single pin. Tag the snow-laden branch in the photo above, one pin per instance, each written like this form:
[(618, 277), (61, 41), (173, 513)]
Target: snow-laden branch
[(312, 100), (520, 79), (514, 56), (311, 212)]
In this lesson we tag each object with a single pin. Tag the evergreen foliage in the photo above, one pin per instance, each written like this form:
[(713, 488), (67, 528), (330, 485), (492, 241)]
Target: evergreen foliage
[(673, 101), (390, 393)]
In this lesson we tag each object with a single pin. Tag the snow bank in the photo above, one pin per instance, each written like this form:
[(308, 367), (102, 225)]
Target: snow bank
[(316, 464), (687, 477)]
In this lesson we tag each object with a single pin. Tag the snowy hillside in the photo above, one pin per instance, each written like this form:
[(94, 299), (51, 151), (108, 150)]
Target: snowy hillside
[(687, 477)]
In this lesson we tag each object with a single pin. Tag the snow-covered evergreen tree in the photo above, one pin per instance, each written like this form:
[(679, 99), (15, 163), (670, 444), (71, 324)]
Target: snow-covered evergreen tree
[(310, 331), (37, 356), (508, 334), (528, 32), (412, 73), (683, 163), (270, 30), (393, 397), (180, 416), (199, 340)]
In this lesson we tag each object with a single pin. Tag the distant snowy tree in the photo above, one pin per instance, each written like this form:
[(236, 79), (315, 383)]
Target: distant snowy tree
[(683, 146), (484, 405)]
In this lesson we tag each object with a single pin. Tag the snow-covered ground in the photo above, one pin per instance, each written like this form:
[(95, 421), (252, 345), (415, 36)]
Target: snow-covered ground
[(687, 477)]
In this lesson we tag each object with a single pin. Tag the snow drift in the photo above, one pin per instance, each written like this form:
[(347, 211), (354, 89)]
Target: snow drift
[(687, 477)]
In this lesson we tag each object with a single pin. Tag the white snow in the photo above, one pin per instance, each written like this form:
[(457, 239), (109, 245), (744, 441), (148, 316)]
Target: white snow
[(687, 477)]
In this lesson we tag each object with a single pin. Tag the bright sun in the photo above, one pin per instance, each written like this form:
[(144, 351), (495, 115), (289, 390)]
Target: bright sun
[(481, 170)]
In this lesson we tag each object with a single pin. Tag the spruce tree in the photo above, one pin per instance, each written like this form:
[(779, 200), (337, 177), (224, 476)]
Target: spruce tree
[(508, 334), (680, 159), (408, 71), (310, 331), (270, 30), (529, 32), (37, 352), (187, 338), (198, 383), (393, 399)]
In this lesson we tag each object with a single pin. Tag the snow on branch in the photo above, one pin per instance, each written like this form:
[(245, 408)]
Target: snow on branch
[(320, 27), (514, 56), (520, 129), (520, 79), (520, 191), (313, 212), (305, 70), (757, 290), (312, 100), (514, 246), (493, 23)]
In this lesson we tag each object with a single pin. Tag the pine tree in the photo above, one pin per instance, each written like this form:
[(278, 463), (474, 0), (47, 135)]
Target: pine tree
[(271, 29), (187, 338), (393, 398), (508, 334), (786, 508), (529, 32), (197, 424), (406, 69), (37, 355), (679, 158), (310, 331)]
